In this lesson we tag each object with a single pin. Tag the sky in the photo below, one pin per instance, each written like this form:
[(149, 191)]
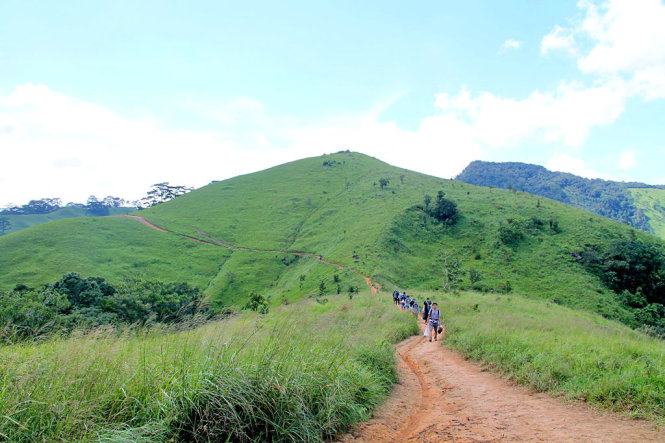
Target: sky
[(109, 97)]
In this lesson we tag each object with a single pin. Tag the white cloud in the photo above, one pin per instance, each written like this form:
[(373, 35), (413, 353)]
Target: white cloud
[(627, 160), (565, 115), (574, 165), (66, 147), (559, 39), (622, 39), (509, 44)]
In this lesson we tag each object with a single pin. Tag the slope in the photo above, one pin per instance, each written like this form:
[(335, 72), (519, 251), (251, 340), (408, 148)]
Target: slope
[(610, 199), (652, 202), (332, 206), (22, 221)]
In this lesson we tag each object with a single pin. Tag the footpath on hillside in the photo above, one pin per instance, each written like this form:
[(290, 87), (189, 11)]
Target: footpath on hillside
[(442, 397)]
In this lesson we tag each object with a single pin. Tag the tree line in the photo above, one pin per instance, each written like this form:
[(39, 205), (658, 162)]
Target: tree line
[(76, 302)]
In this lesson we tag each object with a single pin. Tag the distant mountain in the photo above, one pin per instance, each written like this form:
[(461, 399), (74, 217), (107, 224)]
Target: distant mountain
[(636, 204)]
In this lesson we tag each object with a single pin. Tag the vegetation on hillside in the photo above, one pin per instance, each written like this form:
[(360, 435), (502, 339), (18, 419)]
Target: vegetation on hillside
[(607, 198), (302, 373), (75, 302), (635, 270), (555, 349)]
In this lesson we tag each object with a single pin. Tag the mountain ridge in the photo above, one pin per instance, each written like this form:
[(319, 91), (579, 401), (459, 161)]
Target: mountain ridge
[(612, 199)]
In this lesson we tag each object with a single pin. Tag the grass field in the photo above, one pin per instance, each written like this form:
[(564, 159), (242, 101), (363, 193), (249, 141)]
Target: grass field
[(652, 201), (18, 222), (551, 348), (303, 372)]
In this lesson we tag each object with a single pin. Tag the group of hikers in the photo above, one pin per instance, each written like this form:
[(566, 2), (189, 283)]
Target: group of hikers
[(430, 313)]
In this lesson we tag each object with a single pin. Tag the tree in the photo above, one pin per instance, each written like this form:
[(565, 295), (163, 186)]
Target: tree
[(5, 224), (628, 265), (322, 287), (41, 206), (258, 303), (162, 192), (444, 210), (97, 207), (114, 202), (383, 182)]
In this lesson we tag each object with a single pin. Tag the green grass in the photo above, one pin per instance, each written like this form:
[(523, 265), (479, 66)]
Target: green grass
[(336, 212), (568, 353), (18, 222), (652, 202), (106, 246), (304, 372)]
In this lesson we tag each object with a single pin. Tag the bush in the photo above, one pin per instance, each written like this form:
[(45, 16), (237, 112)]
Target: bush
[(443, 210), (257, 303)]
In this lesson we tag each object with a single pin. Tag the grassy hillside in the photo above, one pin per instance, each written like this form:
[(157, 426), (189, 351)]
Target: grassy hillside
[(551, 348), (108, 246), (302, 373), (615, 200), (20, 221), (332, 206), (652, 201)]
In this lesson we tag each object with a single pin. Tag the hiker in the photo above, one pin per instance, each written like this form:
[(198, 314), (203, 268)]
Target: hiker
[(415, 308), (427, 306), (434, 321), (396, 297)]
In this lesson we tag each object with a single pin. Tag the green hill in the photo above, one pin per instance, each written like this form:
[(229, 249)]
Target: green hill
[(616, 200), (652, 201), (245, 234), (22, 221)]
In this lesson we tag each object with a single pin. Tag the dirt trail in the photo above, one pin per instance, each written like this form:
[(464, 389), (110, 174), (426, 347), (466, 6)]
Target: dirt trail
[(443, 397), (143, 221), (206, 238)]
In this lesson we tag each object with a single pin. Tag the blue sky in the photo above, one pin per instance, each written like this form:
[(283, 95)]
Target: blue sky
[(109, 97)]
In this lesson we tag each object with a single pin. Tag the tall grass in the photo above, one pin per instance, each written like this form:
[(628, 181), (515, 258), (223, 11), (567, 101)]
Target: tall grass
[(577, 355), (305, 372)]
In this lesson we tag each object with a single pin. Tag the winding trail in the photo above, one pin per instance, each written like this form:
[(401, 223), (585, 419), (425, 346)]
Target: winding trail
[(206, 238), (441, 397)]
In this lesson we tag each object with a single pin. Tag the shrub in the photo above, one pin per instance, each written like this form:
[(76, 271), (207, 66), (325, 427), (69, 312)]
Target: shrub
[(257, 303), (444, 210)]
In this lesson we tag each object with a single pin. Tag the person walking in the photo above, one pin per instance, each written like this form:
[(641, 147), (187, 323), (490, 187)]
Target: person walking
[(434, 321), (427, 305), (415, 308)]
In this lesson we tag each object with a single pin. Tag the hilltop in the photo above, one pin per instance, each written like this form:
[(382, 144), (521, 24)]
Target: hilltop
[(636, 204), (320, 225)]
